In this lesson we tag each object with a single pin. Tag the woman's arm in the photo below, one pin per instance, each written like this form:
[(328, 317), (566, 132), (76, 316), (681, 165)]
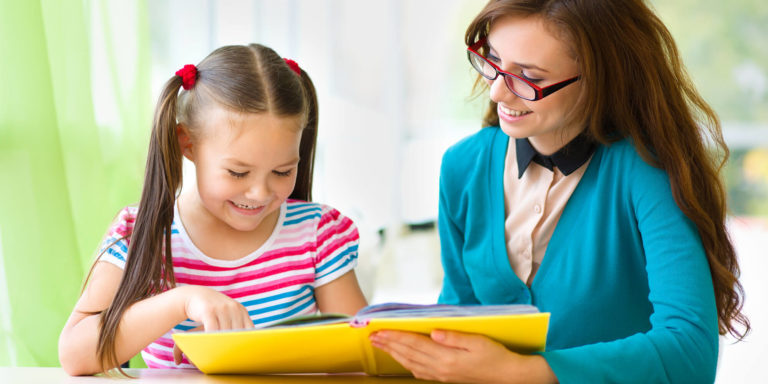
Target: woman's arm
[(142, 322)]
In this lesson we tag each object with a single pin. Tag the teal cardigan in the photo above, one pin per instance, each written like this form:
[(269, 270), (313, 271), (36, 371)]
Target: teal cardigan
[(625, 276)]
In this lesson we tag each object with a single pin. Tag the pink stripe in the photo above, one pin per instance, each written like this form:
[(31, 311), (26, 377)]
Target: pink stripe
[(329, 216), (294, 239), (160, 354), (271, 286), (326, 233), (267, 256), (187, 278), (165, 342), (303, 226), (337, 244), (152, 364)]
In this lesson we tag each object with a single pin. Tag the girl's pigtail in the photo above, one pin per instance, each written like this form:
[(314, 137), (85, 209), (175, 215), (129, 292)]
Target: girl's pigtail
[(303, 188), (149, 269)]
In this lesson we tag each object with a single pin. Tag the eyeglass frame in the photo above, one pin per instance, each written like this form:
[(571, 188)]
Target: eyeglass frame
[(539, 92)]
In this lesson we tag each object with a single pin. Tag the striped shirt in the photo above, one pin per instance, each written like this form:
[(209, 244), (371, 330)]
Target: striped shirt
[(311, 245)]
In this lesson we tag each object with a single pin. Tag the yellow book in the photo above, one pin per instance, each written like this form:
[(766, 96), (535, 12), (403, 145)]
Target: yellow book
[(338, 343)]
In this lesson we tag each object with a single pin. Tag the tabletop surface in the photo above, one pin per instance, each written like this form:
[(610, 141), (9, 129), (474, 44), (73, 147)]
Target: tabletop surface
[(34, 375)]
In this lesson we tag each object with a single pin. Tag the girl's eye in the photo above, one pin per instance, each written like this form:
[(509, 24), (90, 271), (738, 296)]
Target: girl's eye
[(493, 59), (238, 175), (286, 173)]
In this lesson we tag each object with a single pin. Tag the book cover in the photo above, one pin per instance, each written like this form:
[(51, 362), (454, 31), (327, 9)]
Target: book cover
[(332, 343)]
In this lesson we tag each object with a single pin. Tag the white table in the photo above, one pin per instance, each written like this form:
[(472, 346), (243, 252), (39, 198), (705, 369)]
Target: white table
[(38, 375)]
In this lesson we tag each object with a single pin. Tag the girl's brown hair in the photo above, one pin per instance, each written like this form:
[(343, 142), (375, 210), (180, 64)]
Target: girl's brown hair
[(241, 79), (634, 85)]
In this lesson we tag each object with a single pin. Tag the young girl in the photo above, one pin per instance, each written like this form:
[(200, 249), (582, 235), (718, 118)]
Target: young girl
[(241, 247), (592, 195)]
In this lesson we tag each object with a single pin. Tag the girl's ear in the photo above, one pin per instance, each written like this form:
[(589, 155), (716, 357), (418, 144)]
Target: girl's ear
[(185, 141)]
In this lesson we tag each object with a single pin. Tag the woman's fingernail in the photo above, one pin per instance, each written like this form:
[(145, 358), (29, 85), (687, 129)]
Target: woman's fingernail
[(438, 335)]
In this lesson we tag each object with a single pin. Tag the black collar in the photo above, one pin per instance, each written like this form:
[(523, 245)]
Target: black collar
[(568, 159)]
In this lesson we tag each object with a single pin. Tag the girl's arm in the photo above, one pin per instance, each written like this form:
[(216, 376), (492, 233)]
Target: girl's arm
[(342, 295), (142, 323)]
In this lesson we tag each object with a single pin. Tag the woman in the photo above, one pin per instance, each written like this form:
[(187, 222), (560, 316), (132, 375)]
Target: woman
[(592, 195)]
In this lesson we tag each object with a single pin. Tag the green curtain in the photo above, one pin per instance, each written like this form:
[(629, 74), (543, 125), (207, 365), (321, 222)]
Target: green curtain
[(63, 174)]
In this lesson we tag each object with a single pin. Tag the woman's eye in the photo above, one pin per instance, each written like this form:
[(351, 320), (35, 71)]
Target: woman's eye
[(286, 173), (493, 59), (531, 79), (238, 175)]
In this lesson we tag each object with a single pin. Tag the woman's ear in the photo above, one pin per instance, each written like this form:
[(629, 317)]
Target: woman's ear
[(185, 141)]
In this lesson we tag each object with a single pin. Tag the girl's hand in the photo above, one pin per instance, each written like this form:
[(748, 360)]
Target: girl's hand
[(214, 310), (460, 357)]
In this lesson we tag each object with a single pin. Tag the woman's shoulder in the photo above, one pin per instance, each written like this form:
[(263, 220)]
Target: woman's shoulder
[(473, 144), (624, 154)]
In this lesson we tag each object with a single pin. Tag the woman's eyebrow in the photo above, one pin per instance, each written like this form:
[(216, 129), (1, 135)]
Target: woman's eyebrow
[(521, 65)]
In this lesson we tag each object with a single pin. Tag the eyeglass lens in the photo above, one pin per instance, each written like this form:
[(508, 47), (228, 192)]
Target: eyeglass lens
[(517, 86)]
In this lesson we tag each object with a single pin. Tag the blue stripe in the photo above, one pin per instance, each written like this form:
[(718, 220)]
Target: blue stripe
[(296, 292), (116, 242), (334, 270), (184, 327), (305, 218), (299, 212), (326, 264), (117, 254), (283, 315), (292, 206), (279, 306)]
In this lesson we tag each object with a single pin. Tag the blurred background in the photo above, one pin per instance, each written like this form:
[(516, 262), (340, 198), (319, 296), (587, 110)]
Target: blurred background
[(78, 81)]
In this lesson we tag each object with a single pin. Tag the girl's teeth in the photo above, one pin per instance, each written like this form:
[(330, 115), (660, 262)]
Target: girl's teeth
[(243, 206)]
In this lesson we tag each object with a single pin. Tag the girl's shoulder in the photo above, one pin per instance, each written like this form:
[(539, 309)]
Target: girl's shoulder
[(114, 245), (123, 223), (299, 212)]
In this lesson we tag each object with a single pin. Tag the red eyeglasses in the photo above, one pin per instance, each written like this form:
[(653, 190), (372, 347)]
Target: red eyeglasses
[(520, 86)]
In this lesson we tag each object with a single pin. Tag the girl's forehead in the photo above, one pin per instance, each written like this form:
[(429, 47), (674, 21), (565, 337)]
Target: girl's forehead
[(222, 122)]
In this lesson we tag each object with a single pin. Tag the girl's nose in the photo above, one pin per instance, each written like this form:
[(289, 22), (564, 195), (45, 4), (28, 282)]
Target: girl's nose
[(258, 191)]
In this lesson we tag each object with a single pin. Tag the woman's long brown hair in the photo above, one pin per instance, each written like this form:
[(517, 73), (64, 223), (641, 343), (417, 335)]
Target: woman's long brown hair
[(242, 79), (634, 85)]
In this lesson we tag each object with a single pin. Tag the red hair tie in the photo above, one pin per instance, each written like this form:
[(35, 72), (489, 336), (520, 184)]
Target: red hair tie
[(188, 76), (294, 66)]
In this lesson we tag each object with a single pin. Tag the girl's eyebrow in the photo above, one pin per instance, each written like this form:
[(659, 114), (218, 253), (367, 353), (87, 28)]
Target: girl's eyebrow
[(521, 65), (240, 163)]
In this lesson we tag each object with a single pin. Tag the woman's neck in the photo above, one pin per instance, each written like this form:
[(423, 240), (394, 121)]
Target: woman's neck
[(551, 142)]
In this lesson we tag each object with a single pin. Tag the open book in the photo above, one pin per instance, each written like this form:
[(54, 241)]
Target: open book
[(338, 343)]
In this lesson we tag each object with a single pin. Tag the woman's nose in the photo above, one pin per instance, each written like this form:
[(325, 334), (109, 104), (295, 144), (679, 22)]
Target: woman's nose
[(499, 90)]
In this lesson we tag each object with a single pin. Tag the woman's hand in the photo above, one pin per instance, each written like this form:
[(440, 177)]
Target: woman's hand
[(460, 357)]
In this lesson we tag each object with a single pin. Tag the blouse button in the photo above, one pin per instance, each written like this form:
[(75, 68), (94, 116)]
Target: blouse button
[(537, 208)]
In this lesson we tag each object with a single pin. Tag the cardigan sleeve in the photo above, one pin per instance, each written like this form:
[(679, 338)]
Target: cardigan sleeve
[(457, 288), (682, 344)]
